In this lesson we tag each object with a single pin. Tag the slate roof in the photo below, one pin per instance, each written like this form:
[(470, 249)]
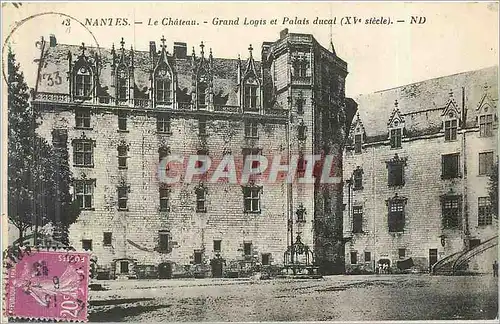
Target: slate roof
[(225, 71), (421, 104)]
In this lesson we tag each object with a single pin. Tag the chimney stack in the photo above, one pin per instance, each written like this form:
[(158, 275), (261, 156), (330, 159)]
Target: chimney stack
[(180, 50), (283, 33), (52, 40)]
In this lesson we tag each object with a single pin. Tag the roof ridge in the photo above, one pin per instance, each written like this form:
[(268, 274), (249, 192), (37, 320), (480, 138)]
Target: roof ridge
[(429, 79)]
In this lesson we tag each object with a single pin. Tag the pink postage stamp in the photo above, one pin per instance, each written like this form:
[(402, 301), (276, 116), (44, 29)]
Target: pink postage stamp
[(49, 285)]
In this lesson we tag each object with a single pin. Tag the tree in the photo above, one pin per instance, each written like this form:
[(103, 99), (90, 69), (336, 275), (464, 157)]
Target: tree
[(20, 149), (493, 190), (38, 175)]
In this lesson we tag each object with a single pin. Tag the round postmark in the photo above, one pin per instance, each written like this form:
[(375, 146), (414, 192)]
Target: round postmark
[(62, 20)]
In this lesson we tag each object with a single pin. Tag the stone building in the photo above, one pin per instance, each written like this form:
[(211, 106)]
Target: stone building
[(120, 111), (416, 172)]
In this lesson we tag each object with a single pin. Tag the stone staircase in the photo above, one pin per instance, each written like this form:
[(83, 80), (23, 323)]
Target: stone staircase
[(460, 264), (445, 265), (457, 263)]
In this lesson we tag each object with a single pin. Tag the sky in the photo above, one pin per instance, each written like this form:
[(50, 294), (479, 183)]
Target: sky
[(455, 37)]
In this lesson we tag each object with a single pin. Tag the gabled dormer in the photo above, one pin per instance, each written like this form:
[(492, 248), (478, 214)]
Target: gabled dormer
[(451, 119), (486, 114), (249, 85), (203, 80), (122, 73), (396, 126), (163, 79), (83, 75), (357, 134)]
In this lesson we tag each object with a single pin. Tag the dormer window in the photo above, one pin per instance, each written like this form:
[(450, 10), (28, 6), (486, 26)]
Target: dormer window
[(396, 135), (250, 93), (121, 85), (486, 125), (163, 84), (450, 130), (250, 102), (83, 82), (202, 95), (358, 141), (396, 126)]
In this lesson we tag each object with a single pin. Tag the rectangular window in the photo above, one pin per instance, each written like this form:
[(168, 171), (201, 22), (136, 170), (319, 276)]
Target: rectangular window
[(484, 216), (164, 197), (358, 179), (485, 163), (450, 166), (395, 138), (122, 157), (250, 152), (354, 257), (251, 129), (122, 121), (250, 97), (163, 123), (450, 130), (163, 240), (107, 238), (202, 95), (202, 127), (163, 92), (357, 219), (83, 85), (123, 266), (82, 118), (83, 153), (395, 174), (122, 198), (87, 245), (201, 199), (217, 245), (486, 125), (357, 143), (122, 88), (368, 256), (247, 248), (301, 132), (401, 253), (198, 257), (251, 197), (266, 258), (162, 153), (396, 216), (451, 211), (84, 193)]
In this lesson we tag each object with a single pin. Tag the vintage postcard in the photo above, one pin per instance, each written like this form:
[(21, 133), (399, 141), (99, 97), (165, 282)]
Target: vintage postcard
[(249, 161)]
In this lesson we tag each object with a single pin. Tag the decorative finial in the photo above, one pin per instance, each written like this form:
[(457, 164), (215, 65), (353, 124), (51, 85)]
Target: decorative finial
[(122, 43), (210, 51), (83, 48), (451, 93), (163, 41), (486, 86), (396, 103), (250, 49), (202, 46)]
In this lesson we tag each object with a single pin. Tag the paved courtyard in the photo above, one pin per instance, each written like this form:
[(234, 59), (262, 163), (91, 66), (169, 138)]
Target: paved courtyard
[(384, 297)]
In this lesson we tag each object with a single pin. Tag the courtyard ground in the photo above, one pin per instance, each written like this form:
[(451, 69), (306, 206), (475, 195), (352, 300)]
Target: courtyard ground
[(332, 298)]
